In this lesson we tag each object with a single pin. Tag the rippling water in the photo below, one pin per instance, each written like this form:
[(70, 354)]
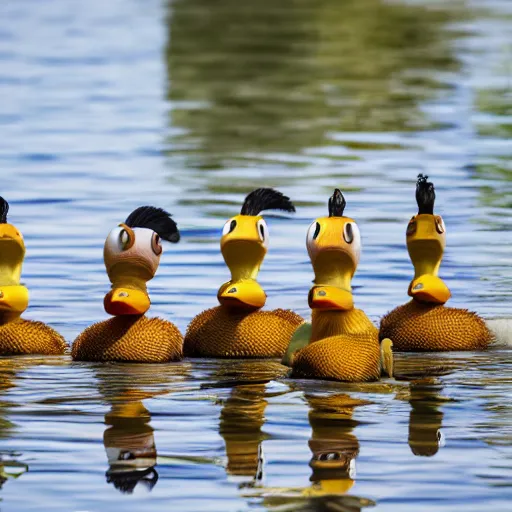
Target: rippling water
[(189, 105)]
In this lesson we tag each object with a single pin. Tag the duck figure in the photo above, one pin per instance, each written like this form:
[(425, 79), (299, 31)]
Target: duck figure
[(132, 254), (19, 336), (238, 328), (425, 323), (341, 343)]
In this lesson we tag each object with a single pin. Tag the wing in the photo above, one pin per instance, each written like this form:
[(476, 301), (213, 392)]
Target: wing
[(299, 340), (386, 356)]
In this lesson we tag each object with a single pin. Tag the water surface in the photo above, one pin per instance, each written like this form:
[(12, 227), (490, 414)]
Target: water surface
[(189, 105)]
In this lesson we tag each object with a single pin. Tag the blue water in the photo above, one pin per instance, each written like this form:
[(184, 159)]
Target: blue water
[(189, 105)]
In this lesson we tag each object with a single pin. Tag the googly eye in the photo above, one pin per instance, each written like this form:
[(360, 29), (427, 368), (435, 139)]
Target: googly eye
[(352, 236), (156, 244), (348, 233), (263, 231), (313, 232), (126, 239), (440, 227), (229, 227), (411, 228)]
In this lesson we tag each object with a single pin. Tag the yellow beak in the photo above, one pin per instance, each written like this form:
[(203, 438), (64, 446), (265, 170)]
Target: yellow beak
[(13, 301), (126, 301), (330, 297), (245, 294)]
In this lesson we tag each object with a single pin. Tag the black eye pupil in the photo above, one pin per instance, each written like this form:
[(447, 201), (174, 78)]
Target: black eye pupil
[(348, 233), (262, 231), (232, 226), (317, 231)]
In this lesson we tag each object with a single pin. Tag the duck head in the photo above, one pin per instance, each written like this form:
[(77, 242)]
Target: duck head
[(244, 244), (334, 247), (426, 240), (132, 254), (13, 296)]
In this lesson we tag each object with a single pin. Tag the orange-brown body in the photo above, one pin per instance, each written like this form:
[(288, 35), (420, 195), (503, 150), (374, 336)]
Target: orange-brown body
[(227, 333), (129, 338), (29, 337), (353, 356), (418, 327)]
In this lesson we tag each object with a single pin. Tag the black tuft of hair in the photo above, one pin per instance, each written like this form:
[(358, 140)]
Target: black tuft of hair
[(337, 204), (266, 199), (425, 195), (156, 219), (4, 208)]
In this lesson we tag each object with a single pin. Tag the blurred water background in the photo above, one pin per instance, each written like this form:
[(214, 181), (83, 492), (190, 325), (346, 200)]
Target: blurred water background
[(189, 105)]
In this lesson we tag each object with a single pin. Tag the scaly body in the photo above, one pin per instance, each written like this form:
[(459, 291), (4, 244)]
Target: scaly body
[(219, 332), (417, 327)]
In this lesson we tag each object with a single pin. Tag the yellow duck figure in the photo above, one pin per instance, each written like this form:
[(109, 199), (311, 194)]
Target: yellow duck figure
[(237, 328), (424, 323), (341, 343), (18, 336), (132, 254)]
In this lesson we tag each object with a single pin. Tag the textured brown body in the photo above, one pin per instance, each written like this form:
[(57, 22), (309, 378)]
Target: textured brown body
[(353, 356), (136, 339), (347, 358), (221, 332), (417, 327), (29, 337)]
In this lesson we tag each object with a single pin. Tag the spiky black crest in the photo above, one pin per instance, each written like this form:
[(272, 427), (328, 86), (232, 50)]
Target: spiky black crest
[(425, 195), (4, 208), (337, 204), (156, 219), (266, 199)]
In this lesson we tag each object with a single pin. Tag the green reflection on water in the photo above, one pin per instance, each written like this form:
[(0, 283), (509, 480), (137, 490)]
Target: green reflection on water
[(253, 78)]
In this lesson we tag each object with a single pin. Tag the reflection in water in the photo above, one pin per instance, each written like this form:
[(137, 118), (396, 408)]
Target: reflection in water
[(243, 415), (333, 445), (130, 447), (258, 77), (241, 419), (426, 419), (9, 466), (129, 438), (334, 449)]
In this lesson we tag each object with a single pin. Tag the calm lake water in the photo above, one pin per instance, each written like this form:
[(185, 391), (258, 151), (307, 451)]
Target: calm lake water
[(189, 105)]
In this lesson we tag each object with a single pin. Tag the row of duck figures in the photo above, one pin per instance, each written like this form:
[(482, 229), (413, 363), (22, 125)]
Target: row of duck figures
[(340, 343)]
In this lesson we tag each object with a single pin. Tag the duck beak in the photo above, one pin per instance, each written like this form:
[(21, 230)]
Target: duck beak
[(13, 299), (330, 298), (245, 294), (126, 301), (429, 288)]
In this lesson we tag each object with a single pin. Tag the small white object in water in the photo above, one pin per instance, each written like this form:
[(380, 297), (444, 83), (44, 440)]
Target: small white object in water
[(501, 329)]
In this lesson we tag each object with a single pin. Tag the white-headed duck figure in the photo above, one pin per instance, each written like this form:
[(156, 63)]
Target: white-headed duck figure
[(132, 254)]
